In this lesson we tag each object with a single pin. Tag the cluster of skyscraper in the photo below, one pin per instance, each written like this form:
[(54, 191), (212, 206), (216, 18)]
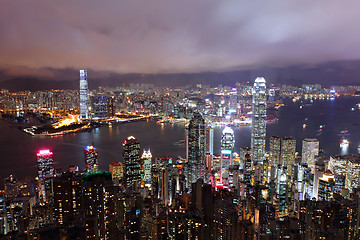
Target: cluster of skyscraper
[(250, 195)]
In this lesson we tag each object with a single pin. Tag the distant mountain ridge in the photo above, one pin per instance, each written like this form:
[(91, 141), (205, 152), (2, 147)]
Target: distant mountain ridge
[(326, 74)]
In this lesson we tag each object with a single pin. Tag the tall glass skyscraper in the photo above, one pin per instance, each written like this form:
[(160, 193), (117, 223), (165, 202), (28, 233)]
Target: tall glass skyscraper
[(131, 154), (196, 147), (84, 95), (258, 127)]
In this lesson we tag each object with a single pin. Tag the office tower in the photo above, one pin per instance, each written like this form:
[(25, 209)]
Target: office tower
[(233, 101), (99, 107), (111, 106), (84, 95), (282, 191), (227, 148), (326, 186), (147, 163), (275, 146), (210, 140), (243, 152), (310, 149), (353, 173), (196, 148), (258, 129), (131, 154), (164, 186), (91, 161), (288, 148), (45, 164), (116, 170)]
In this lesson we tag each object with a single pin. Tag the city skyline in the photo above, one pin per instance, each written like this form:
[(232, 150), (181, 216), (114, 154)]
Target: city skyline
[(189, 120)]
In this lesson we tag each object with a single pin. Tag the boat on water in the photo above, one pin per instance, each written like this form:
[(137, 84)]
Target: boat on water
[(356, 107), (180, 142), (344, 142)]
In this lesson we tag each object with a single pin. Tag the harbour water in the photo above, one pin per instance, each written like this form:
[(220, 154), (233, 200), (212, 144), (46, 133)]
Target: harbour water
[(18, 149)]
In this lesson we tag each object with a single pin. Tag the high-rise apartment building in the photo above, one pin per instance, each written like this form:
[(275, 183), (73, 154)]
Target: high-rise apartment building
[(84, 95), (132, 160), (258, 129), (91, 159)]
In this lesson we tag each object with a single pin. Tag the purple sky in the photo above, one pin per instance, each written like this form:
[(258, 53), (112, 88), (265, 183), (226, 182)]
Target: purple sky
[(162, 36)]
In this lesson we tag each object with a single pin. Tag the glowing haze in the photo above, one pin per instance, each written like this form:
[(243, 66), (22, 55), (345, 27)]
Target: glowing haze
[(161, 36)]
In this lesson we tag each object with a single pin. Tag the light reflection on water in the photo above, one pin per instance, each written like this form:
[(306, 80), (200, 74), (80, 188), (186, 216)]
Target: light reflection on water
[(18, 149)]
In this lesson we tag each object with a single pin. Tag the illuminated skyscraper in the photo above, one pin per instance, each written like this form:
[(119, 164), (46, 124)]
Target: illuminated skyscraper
[(275, 146), (196, 148), (111, 106), (84, 95), (233, 101), (131, 154), (116, 170), (258, 129), (91, 161), (210, 140), (288, 149), (45, 163), (146, 157), (99, 107), (227, 148), (310, 149)]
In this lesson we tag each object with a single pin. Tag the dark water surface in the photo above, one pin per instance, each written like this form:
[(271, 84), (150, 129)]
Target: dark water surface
[(18, 149)]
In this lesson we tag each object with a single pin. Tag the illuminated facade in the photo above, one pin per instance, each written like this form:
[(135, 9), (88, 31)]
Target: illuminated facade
[(196, 148), (210, 140), (45, 164), (91, 159), (288, 148), (147, 163), (310, 149), (258, 129), (116, 170), (99, 107), (131, 154), (275, 146), (353, 173), (84, 95)]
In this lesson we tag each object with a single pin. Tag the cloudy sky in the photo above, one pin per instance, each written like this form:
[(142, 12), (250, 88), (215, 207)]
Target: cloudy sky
[(162, 36)]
